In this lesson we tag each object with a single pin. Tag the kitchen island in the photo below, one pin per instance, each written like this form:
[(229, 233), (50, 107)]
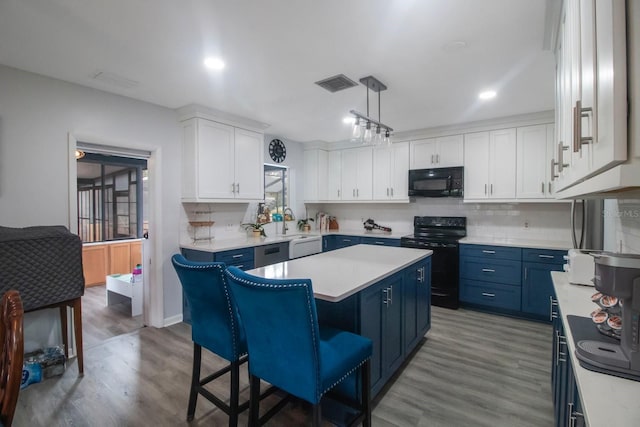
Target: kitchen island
[(382, 293)]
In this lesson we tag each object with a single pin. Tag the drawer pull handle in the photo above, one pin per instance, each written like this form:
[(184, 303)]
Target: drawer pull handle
[(237, 256), (487, 294), (546, 256), (488, 252), (488, 270), (379, 243)]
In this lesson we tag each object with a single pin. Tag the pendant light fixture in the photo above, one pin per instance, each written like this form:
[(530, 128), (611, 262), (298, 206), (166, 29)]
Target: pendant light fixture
[(365, 129)]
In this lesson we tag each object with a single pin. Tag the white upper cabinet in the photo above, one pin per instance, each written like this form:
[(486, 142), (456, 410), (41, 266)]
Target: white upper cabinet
[(390, 172), (334, 176), (357, 174), (221, 163), (490, 165), (534, 156), (315, 175), (476, 165), (439, 152), (591, 89)]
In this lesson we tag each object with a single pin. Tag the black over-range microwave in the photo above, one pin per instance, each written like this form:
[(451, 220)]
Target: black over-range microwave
[(439, 182)]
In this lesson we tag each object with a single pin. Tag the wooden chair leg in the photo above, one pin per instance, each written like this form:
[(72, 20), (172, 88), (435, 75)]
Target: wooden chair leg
[(365, 371), (77, 328), (195, 381), (254, 401), (235, 394), (317, 415), (64, 328)]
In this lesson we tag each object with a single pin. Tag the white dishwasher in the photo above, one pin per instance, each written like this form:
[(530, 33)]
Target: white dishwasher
[(305, 245)]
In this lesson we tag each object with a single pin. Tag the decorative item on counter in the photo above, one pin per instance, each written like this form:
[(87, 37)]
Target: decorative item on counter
[(333, 223), (303, 224), (370, 225), (288, 215), (256, 229)]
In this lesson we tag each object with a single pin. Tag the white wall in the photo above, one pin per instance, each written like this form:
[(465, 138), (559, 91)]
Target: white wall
[(37, 113), (549, 221)]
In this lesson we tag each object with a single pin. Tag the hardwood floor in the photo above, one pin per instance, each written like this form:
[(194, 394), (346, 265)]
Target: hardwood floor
[(473, 369), (101, 322)]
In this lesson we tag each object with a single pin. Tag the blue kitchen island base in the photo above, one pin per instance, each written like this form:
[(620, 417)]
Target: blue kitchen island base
[(395, 313)]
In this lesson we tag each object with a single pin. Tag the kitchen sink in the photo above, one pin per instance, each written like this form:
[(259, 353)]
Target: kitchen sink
[(304, 244)]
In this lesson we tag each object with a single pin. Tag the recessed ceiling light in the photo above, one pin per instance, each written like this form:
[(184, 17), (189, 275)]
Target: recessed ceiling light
[(487, 94), (349, 120), (214, 63)]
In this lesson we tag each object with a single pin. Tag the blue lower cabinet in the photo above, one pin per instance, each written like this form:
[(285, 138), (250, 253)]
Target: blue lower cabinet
[(328, 243), (345, 241), (242, 258), (496, 295), (380, 241), (417, 303), (537, 287), (495, 270), (381, 321)]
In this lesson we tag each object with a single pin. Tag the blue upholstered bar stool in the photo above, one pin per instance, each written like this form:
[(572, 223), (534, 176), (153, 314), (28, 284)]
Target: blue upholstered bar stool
[(215, 325), (289, 350)]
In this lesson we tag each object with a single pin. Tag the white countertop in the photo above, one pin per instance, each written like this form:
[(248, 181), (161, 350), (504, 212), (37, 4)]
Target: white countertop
[(517, 242), (338, 274), (606, 400), (248, 242)]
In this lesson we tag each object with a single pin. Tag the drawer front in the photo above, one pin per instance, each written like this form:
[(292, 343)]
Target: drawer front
[(382, 241), (496, 270), (344, 241), (546, 256), (198, 256), (490, 294), (491, 252), (235, 256), (243, 265)]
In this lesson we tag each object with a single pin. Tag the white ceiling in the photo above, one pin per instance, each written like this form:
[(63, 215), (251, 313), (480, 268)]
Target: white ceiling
[(276, 49)]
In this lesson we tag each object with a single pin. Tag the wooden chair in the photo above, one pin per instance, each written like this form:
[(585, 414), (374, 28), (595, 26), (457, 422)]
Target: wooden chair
[(12, 356)]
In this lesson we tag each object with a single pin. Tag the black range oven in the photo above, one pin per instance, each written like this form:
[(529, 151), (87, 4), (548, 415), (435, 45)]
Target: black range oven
[(441, 235)]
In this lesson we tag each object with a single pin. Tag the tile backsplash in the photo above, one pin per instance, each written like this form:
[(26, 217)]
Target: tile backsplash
[(540, 221), (622, 225)]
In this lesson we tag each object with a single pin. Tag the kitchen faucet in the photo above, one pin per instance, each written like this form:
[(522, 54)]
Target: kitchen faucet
[(284, 219)]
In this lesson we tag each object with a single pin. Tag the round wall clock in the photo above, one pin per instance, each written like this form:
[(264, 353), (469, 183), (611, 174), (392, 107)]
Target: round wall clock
[(277, 150)]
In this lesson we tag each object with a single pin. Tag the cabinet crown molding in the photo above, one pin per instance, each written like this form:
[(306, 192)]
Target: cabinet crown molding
[(192, 111)]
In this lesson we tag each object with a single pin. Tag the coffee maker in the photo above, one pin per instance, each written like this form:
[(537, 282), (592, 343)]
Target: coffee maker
[(617, 275)]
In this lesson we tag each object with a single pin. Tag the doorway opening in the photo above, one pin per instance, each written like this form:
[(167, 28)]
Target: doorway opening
[(112, 214)]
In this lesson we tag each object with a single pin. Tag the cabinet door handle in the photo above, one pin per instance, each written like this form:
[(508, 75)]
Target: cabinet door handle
[(526, 273), (542, 188), (485, 189), (338, 194), (488, 270), (391, 294), (487, 294), (484, 251), (357, 192), (354, 192), (549, 192), (387, 191), (437, 158), (491, 187), (432, 162), (545, 256), (385, 300), (552, 314), (391, 191), (570, 419), (233, 188)]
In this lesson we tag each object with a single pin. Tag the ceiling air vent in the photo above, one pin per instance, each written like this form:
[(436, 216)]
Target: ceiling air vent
[(336, 83), (113, 79)]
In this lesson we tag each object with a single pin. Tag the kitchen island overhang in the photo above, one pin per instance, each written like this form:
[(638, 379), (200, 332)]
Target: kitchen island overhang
[(380, 292)]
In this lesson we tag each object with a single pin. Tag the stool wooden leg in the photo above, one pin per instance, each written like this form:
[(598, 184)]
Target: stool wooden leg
[(77, 328), (195, 381), (63, 328), (317, 415), (365, 371), (254, 401)]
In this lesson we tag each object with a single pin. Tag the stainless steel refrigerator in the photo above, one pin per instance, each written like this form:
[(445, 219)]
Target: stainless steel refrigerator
[(587, 223)]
